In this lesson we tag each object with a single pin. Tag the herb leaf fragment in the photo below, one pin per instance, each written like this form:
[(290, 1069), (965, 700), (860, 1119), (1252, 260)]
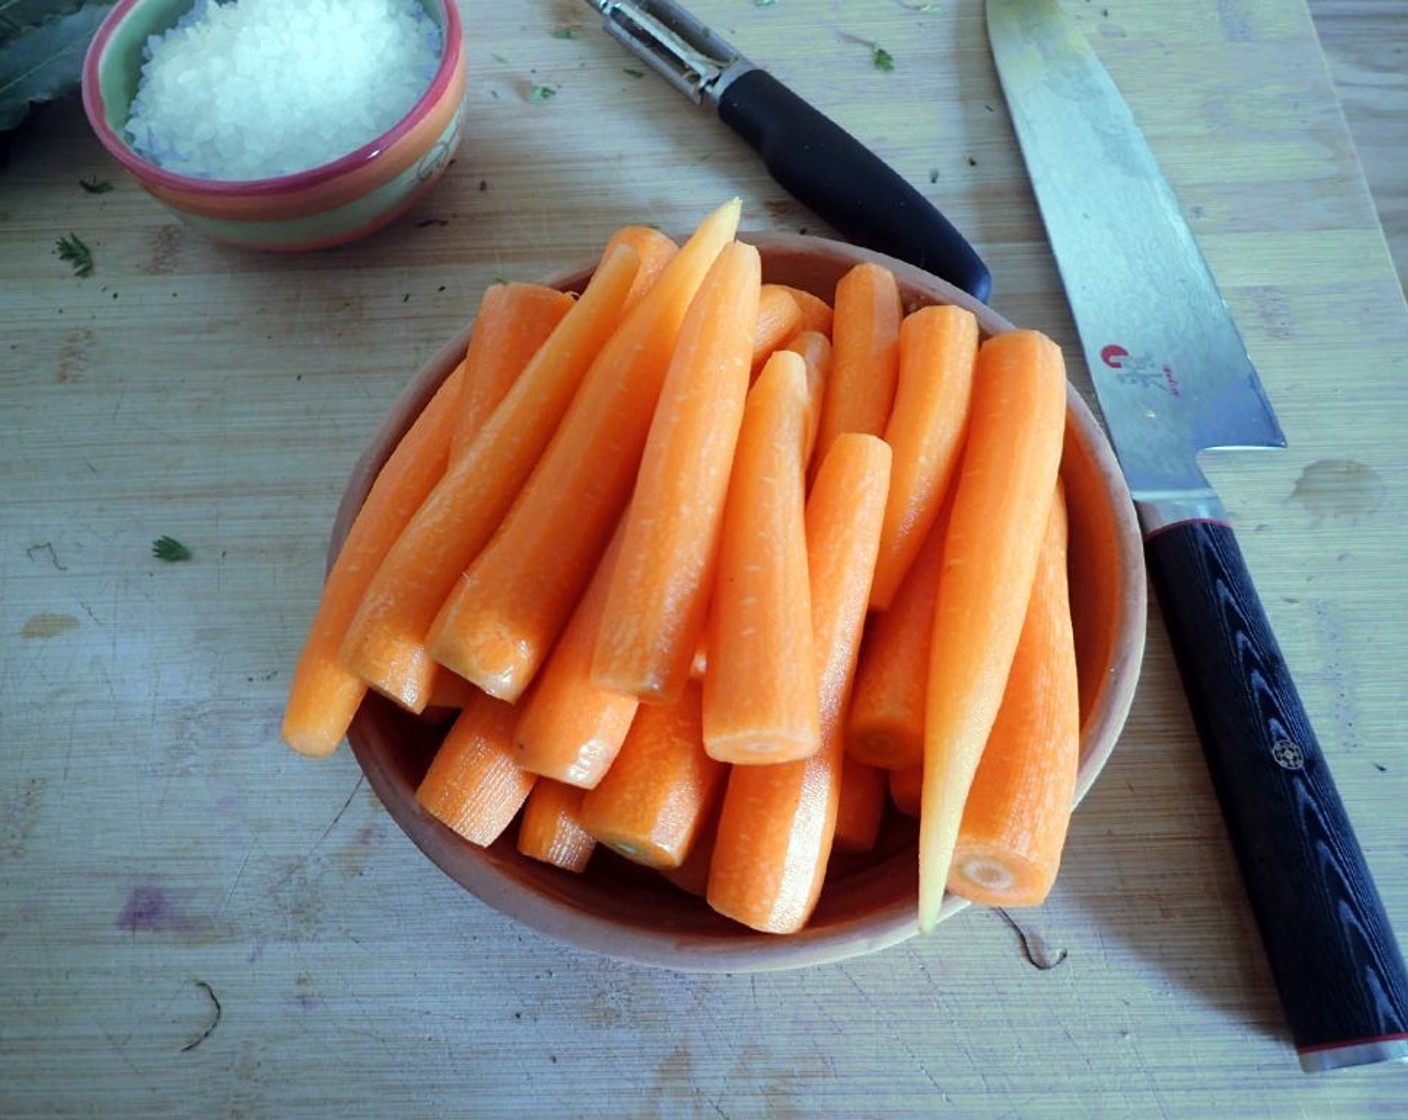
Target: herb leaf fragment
[(170, 549), (72, 250)]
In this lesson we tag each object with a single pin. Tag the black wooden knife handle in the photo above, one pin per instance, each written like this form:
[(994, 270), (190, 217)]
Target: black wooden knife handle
[(828, 169), (1333, 955)]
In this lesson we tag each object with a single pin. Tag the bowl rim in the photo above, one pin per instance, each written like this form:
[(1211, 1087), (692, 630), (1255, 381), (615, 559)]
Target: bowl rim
[(94, 106), (744, 950)]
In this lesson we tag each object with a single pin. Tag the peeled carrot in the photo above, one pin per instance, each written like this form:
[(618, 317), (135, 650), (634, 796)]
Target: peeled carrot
[(504, 614), (513, 321), (861, 806), (778, 319), (865, 340), (655, 609), (816, 312), (760, 689), (325, 694), (845, 511), (1018, 809), (692, 876), (570, 730), (885, 722), (386, 640), (778, 822), (938, 346), (661, 787), (1000, 509), (906, 787), (815, 349), (551, 827), (474, 784), (655, 251)]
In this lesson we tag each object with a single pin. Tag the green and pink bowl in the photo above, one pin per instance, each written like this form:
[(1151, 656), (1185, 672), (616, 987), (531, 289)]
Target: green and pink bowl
[(327, 205)]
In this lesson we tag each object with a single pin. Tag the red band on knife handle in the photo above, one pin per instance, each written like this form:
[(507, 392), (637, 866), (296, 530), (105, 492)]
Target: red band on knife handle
[(1152, 533), (1336, 963)]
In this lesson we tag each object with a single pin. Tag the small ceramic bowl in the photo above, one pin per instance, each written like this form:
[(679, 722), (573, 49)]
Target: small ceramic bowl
[(328, 205), (869, 901)]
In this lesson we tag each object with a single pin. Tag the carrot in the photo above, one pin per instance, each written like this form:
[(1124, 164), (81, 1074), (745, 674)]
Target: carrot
[(499, 622), (514, 320), (661, 787), (1016, 816), (816, 312), (551, 827), (325, 694), (861, 806), (885, 723), (779, 318), (474, 784), (760, 689), (865, 357), (844, 514), (385, 643), (938, 346), (778, 822), (655, 251), (570, 730), (692, 876), (655, 609), (815, 349), (700, 662), (1000, 508), (906, 786)]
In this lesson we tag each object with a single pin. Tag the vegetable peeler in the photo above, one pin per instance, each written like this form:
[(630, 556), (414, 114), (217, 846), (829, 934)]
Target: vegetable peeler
[(814, 158)]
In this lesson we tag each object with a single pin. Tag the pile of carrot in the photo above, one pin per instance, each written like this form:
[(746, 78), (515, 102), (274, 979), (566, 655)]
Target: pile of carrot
[(717, 573)]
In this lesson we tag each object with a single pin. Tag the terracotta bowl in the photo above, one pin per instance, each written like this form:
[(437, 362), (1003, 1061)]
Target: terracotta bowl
[(328, 205), (869, 902)]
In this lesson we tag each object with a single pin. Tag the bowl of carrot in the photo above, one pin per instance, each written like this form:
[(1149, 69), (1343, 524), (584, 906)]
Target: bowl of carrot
[(747, 602)]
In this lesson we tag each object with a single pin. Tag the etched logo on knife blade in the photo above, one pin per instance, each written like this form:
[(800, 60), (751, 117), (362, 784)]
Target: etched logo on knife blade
[(1147, 373)]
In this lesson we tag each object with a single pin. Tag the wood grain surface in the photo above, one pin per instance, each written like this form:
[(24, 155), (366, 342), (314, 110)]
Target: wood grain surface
[(195, 922)]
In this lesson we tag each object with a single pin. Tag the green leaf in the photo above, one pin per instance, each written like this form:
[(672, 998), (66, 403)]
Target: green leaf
[(170, 549), (94, 185), (72, 250), (631, 71), (41, 52), (541, 93), (565, 33), (882, 59)]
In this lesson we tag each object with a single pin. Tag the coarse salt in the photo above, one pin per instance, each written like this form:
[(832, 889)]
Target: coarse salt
[(257, 88)]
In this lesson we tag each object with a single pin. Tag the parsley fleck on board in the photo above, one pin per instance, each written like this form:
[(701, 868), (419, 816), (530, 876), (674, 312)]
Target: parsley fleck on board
[(170, 549)]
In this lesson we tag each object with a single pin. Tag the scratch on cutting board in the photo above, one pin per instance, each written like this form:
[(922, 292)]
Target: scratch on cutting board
[(216, 1012), (361, 780), (47, 546)]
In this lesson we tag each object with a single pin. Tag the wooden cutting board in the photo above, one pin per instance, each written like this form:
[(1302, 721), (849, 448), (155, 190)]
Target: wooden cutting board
[(195, 922)]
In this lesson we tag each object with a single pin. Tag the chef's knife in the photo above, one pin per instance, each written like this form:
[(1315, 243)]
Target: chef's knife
[(1173, 378), (816, 160)]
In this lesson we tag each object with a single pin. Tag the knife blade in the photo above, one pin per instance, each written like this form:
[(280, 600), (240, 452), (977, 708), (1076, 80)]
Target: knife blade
[(1173, 378), (812, 157)]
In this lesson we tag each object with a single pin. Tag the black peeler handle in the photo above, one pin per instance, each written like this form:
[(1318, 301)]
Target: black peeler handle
[(824, 166)]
